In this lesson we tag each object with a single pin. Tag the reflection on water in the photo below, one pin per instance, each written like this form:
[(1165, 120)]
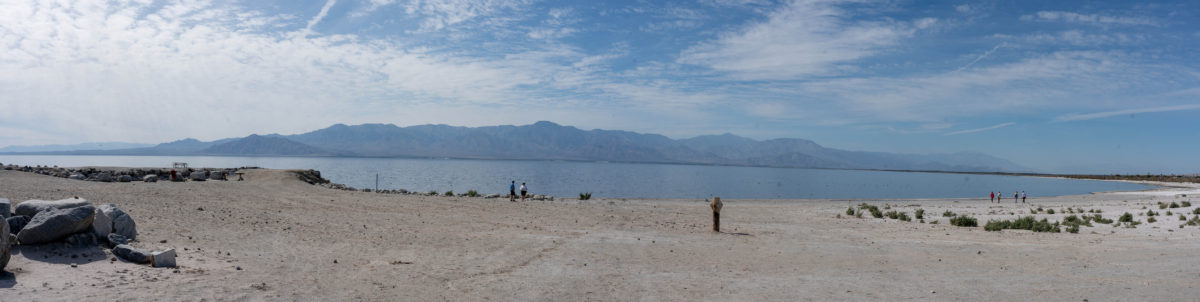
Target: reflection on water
[(621, 180)]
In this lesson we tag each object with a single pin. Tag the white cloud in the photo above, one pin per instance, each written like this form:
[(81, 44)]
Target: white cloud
[(1091, 19), (320, 15), (981, 129), (964, 8), (1090, 116), (802, 39), (440, 14)]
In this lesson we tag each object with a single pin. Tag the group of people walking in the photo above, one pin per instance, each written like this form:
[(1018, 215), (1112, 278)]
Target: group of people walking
[(1017, 195), (512, 191)]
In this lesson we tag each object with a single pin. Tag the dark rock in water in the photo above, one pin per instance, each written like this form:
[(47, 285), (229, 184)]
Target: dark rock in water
[(5, 246), (122, 223), (131, 254), (124, 178), (5, 208), (16, 223), (117, 239), (54, 224), (33, 206)]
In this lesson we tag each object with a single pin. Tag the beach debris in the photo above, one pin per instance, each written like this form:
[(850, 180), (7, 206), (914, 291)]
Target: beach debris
[(132, 254), (122, 223), (5, 245), (124, 178), (5, 208), (55, 224), (716, 206), (16, 223), (102, 224), (163, 258), (150, 178), (33, 206)]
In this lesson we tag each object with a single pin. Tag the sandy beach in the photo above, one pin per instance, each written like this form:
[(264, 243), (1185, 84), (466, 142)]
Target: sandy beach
[(274, 237)]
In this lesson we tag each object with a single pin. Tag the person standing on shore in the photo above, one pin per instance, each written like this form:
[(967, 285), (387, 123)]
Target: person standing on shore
[(1015, 195), (992, 197), (523, 190), (1022, 196), (512, 191)]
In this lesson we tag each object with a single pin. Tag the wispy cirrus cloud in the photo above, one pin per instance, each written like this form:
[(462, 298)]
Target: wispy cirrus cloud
[(1096, 115), (981, 129), (1090, 19)]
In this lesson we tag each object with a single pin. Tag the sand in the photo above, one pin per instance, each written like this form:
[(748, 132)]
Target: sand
[(295, 241)]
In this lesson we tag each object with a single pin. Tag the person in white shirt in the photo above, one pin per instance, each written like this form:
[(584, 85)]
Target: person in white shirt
[(523, 190)]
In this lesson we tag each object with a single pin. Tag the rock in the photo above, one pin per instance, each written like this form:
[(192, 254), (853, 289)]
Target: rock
[(5, 245), (83, 239), (33, 206), (199, 175), (492, 196), (117, 239), (122, 223), (163, 258), (124, 178), (150, 178), (102, 224), (5, 208), (54, 224), (216, 175), (16, 223), (77, 176), (104, 177), (131, 254)]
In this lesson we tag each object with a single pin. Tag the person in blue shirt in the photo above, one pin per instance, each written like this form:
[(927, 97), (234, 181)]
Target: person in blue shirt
[(512, 191)]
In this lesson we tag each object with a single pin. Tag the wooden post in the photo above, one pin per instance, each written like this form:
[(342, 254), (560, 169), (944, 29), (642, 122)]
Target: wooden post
[(716, 208)]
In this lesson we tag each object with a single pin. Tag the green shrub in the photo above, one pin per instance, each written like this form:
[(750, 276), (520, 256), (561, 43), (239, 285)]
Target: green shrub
[(858, 215), (875, 212), (1040, 209), (948, 213), (472, 193), (1073, 229), (933, 222), (892, 214), (432, 192), (1161, 205), (449, 193), (1050, 211), (1182, 218), (1196, 211), (1100, 219), (1169, 213), (1151, 220), (585, 196), (849, 211), (1173, 205), (1024, 223), (1126, 217), (963, 221), (904, 217), (1151, 213), (1185, 204), (919, 214)]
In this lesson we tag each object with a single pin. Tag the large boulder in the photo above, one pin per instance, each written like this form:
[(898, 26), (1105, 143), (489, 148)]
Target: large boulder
[(122, 223), (5, 246), (104, 176), (16, 223), (117, 239), (33, 206), (198, 175), (163, 258), (77, 176), (131, 254), (102, 225), (55, 224), (216, 175), (124, 178), (5, 208), (150, 178)]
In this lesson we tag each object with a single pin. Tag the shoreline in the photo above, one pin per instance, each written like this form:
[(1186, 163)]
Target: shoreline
[(274, 236)]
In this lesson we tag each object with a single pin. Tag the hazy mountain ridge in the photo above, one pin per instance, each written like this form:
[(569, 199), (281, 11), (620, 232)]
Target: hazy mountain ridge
[(547, 140)]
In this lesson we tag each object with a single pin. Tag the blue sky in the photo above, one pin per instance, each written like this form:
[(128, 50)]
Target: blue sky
[(1060, 86)]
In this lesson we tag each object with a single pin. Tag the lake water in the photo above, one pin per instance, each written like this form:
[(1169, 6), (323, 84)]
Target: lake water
[(618, 180)]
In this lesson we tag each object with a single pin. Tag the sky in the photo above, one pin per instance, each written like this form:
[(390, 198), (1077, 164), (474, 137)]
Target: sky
[(1057, 86)]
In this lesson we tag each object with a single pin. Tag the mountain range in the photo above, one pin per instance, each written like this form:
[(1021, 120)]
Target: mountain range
[(550, 141)]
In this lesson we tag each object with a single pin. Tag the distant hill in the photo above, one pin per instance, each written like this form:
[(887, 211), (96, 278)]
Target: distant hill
[(83, 146), (547, 140)]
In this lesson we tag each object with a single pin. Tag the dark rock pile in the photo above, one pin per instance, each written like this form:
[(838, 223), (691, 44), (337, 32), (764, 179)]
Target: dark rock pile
[(131, 174)]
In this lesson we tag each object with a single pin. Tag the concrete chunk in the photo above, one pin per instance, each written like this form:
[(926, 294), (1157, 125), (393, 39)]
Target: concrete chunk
[(131, 254), (163, 258)]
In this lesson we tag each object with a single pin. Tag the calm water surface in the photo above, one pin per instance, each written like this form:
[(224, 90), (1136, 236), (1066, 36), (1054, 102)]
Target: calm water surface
[(620, 180)]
